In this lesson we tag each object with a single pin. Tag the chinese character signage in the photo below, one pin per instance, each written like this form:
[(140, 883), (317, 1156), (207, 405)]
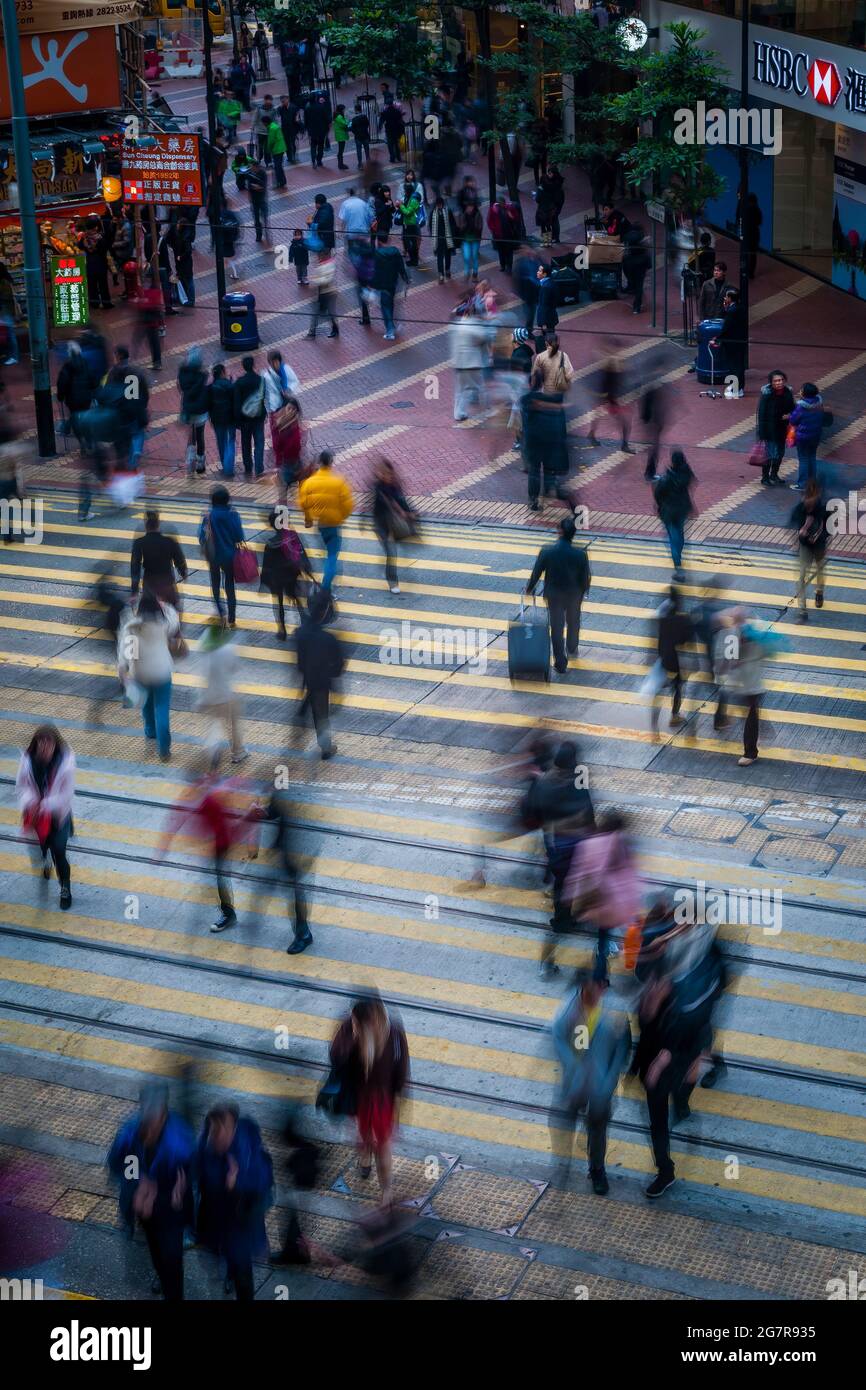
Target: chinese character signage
[(65, 72), (168, 170), (49, 16), (64, 171), (69, 291)]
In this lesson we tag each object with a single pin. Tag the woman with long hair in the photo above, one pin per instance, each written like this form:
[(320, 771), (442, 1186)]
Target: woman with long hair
[(372, 1056), (393, 518), (603, 883), (145, 664), (45, 786)]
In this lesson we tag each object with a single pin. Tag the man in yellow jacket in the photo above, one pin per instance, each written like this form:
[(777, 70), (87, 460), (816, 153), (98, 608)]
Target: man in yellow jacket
[(326, 501)]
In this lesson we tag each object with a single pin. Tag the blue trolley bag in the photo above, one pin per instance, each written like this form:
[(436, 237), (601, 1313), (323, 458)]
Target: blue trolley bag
[(529, 644)]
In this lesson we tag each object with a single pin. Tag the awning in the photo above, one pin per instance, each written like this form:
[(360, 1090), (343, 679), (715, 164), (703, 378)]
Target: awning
[(49, 16)]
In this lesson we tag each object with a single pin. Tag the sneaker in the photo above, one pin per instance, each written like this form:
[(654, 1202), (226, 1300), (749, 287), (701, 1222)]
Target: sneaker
[(65, 898), (228, 919), (389, 337), (334, 333), (395, 588), (659, 1185), (819, 598), (240, 757), (600, 1184), (746, 762), (300, 944), (796, 487)]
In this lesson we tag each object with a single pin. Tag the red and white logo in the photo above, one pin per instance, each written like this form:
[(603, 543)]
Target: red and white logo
[(825, 83)]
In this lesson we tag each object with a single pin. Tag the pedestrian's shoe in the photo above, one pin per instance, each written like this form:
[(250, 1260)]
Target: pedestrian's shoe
[(395, 588), (659, 1185), (328, 753), (626, 448), (802, 616), (282, 635), (600, 1184), (389, 338), (441, 279), (334, 333), (746, 762), (693, 368), (312, 333), (240, 757), (765, 482), (547, 969), (300, 944), (796, 487), (65, 898), (228, 919), (675, 721), (716, 1072), (535, 506), (819, 598), (561, 668)]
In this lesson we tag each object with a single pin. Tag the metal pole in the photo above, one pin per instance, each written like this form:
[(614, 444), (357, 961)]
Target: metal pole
[(37, 315), (666, 268), (231, 12), (655, 233), (483, 21), (215, 221), (744, 173)]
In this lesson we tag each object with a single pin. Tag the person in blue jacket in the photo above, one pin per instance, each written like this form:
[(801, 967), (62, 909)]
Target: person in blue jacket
[(807, 419), (152, 1156), (235, 1180), (220, 533)]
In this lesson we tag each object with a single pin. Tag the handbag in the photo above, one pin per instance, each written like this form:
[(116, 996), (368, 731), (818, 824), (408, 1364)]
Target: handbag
[(337, 1098), (246, 566), (791, 437), (757, 455)]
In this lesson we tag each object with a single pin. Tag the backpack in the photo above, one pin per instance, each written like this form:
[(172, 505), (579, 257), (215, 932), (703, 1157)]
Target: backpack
[(253, 403)]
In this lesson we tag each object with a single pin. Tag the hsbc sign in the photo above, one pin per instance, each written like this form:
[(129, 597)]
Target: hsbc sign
[(797, 73)]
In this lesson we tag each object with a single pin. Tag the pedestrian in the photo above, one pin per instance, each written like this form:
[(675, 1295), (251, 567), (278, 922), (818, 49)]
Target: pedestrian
[(221, 413), (283, 814), (387, 270), (320, 665), (94, 246), (806, 422), (45, 787), (152, 1157), (609, 386), (284, 562), (809, 520), (750, 230), (393, 517), (149, 323), (636, 262), (287, 434), (554, 367), (322, 226), (544, 443), (145, 665), (391, 121), (558, 803), (240, 168), (157, 563), (322, 277), (733, 339), (356, 217), (593, 1046), (182, 237), (248, 393), (371, 1055), (341, 134), (360, 130), (133, 397), (240, 78), (317, 120), (553, 188), (384, 210), (469, 338), (443, 232), (526, 287), (740, 653), (503, 220), (229, 114), (235, 1179), (75, 386), (675, 629), (275, 149), (713, 291), (567, 576), (264, 113), (219, 700), (469, 228), (654, 413), (613, 221), (775, 405), (326, 500), (210, 803), (220, 533), (281, 383), (192, 384), (256, 180), (673, 499), (603, 884), (260, 49), (410, 210), (168, 277), (287, 114), (299, 255)]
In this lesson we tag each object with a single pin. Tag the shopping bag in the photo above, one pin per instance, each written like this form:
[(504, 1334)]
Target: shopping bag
[(183, 297), (246, 566), (757, 455)]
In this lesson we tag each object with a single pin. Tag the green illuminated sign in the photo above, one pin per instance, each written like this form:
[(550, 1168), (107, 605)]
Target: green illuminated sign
[(69, 291)]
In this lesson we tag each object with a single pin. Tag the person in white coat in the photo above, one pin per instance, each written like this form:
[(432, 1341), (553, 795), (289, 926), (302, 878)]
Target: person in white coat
[(469, 338), (45, 786), (145, 665), (219, 700)]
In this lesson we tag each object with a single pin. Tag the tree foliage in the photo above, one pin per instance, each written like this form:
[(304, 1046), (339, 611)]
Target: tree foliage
[(292, 19), (383, 40)]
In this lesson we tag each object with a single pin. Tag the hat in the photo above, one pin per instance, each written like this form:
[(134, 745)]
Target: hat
[(521, 335), (566, 755)]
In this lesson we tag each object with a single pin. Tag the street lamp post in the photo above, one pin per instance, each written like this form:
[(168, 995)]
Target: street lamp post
[(37, 316), (744, 169), (216, 209)]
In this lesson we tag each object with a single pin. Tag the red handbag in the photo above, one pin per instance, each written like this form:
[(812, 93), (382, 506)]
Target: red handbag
[(246, 566), (757, 455)]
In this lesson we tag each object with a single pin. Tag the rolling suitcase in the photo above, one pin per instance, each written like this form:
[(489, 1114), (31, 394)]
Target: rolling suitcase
[(529, 644)]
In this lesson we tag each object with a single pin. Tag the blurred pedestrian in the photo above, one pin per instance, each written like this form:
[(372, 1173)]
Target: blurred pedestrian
[(740, 655), (675, 629), (673, 499), (371, 1053), (192, 384), (603, 885), (322, 277), (554, 367), (809, 520), (284, 562), (360, 129), (45, 787), (219, 700), (326, 500), (564, 568), (283, 814), (388, 270), (157, 562), (609, 386), (250, 411), (655, 413), (469, 229), (235, 1182), (320, 665), (393, 517), (221, 413), (469, 337), (558, 803), (256, 181), (210, 803), (636, 262), (288, 436), (220, 533), (145, 665), (544, 442)]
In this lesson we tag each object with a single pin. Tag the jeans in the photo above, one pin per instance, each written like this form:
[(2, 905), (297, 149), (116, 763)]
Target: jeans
[(677, 537), (564, 613), (225, 440), (332, 539), (253, 446), (136, 448), (806, 453), (155, 713), (386, 300), (227, 574), (362, 145), (470, 257)]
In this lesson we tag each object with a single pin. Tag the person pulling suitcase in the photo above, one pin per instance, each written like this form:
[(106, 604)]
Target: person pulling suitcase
[(564, 567)]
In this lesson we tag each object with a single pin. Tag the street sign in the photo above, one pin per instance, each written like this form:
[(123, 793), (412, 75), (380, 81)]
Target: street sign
[(166, 170), (657, 211), (69, 291)]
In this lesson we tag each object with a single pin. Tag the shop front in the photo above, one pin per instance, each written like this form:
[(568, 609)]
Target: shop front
[(812, 193)]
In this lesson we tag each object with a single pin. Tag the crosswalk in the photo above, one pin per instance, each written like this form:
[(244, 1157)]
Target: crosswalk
[(131, 979)]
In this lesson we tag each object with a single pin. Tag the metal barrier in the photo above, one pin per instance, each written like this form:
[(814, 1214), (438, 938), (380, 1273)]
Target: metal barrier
[(691, 293)]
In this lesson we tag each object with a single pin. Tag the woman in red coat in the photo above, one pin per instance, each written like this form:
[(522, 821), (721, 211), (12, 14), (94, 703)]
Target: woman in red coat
[(371, 1054)]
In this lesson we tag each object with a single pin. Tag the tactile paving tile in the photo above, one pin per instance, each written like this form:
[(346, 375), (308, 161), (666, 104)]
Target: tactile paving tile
[(798, 852), (552, 1284), (410, 1182), (486, 1201), (705, 1250), (75, 1206), (60, 1110), (105, 1213), (706, 825), (455, 1271)]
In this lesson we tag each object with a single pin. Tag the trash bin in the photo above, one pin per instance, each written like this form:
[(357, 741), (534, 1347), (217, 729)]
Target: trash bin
[(239, 329), (709, 365)]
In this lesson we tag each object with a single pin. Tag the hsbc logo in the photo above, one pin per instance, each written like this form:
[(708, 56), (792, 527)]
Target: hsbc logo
[(825, 83), (786, 71)]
